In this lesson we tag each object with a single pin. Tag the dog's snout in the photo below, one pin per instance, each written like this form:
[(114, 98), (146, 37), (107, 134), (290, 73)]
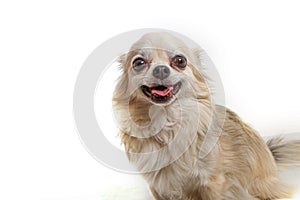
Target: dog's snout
[(161, 72)]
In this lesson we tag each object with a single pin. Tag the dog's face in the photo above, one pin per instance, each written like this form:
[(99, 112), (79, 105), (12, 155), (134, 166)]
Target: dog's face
[(161, 97), (160, 73), (160, 68)]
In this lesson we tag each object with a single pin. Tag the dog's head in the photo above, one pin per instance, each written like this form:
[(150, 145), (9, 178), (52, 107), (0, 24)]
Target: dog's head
[(161, 99), (160, 68)]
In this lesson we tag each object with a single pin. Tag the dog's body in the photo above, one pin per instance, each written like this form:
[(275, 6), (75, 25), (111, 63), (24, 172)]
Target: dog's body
[(160, 70)]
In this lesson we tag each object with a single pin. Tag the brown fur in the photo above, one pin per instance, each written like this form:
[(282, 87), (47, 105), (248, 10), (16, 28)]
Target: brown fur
[(240, 166)]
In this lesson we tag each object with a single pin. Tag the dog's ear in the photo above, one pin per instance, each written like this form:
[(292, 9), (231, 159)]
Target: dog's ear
[(122, 58), (121, 88), (122, 61), (197, 65), (203, 64), (197, 57)]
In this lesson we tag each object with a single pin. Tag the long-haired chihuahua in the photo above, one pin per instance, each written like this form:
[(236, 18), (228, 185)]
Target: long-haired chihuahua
[(167, 120)]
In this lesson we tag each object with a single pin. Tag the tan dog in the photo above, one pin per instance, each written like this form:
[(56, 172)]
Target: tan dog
[(165, 111)]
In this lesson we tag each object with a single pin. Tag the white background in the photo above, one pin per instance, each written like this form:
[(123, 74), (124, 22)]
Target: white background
[(254, 45)]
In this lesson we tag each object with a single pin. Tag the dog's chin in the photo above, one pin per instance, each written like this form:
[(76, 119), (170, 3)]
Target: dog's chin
[(161, 94)]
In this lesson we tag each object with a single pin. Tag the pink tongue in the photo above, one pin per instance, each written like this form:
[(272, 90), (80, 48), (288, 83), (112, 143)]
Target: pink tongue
[(162, 93)]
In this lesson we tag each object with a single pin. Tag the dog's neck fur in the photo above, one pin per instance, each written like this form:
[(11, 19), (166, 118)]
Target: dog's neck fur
[(177, 120)]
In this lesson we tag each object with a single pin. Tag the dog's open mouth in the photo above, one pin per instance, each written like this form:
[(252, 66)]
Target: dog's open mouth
[(161, 93)]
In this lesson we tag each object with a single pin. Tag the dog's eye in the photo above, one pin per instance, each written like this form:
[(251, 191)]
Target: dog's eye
[(179, 61), (139, 64)]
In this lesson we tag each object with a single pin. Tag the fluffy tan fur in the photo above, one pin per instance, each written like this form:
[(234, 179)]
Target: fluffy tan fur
[(240, 166)]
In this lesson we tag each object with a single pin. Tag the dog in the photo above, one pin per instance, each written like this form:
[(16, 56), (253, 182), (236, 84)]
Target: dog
[(186, 146)]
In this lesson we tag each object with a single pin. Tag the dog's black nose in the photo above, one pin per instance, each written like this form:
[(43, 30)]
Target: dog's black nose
[(161, 72)]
